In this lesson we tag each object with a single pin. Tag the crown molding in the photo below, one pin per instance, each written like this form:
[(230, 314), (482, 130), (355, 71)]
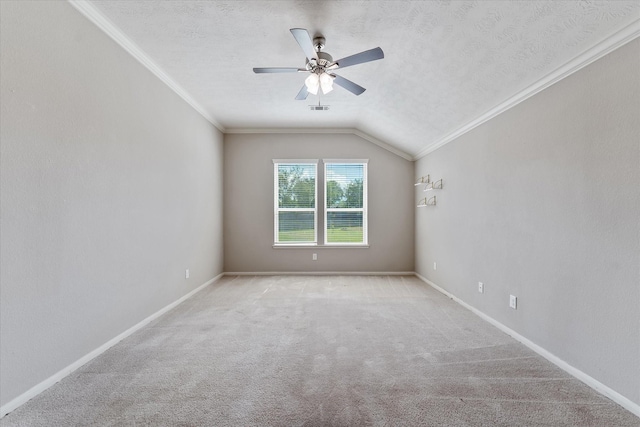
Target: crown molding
[(95, 16), (344, 131), (319, 273), (595, 52), (109, 28), (383, 144)]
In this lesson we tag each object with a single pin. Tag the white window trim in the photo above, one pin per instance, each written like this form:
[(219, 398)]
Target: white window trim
[(276, 208), (364, 209)]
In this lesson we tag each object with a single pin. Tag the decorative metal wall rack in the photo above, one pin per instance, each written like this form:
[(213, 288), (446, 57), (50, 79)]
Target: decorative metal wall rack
[(427, 202), (428, 186)]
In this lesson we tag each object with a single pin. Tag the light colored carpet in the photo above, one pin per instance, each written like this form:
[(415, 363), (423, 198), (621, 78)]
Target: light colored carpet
[(320, 351)]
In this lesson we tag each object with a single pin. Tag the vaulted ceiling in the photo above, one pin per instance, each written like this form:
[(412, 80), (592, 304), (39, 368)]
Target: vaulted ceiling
[(448, 64)]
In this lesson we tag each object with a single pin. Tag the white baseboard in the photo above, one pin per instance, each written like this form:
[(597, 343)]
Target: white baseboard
[(626, 403), (590, 381), (319, 273), (39, 388)]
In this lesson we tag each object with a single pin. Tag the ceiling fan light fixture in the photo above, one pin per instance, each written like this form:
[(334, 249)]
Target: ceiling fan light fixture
[(321, 66), (326, 83), (313, 83)]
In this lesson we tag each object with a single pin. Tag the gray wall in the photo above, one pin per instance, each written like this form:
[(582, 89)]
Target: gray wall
[(248, 205), (110, 189), (543, 202)]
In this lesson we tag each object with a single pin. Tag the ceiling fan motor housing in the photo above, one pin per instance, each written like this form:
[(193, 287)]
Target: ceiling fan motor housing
[(319, 66)]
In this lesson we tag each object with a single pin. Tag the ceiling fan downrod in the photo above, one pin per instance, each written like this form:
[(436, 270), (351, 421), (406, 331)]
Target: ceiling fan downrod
[(323, 62)]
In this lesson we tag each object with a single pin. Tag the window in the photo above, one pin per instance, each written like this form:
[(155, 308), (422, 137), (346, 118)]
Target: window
[(345, 213), (295, 202)]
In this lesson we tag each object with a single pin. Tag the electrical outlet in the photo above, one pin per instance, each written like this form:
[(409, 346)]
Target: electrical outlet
[(186, 273), (481, 287), (513, 302), (435, 266), (314, 257)]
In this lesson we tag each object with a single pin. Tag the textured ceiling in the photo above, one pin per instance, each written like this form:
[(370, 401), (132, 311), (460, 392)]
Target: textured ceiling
[(446, 62)]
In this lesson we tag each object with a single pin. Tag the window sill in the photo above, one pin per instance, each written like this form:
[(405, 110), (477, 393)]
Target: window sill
[(315, 246)]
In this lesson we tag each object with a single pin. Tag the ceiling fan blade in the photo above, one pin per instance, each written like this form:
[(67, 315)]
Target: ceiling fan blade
[(359, 58), (277, 70), (302, 95), (304, 40), (348, 85)]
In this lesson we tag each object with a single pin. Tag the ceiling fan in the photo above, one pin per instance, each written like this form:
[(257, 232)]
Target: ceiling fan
[(321, 66)]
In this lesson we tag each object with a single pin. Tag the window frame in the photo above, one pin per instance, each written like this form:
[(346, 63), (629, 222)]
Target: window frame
[(278, 209), (364, 209)]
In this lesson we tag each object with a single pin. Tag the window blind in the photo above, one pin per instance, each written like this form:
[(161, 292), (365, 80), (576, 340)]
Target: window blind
[(295, 202), (345, 203)]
